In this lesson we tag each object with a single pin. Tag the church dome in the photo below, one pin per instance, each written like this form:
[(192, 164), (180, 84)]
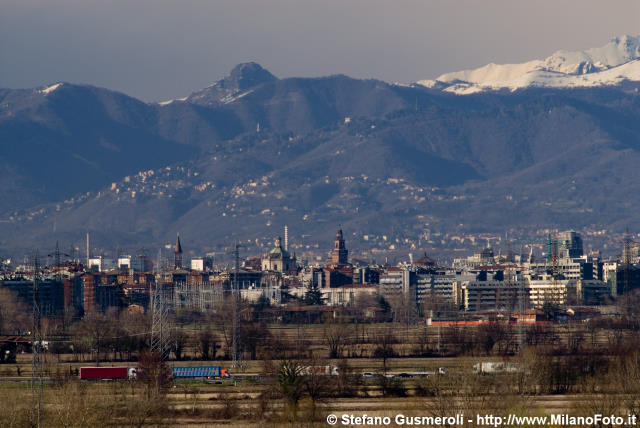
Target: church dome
[(279, 250)]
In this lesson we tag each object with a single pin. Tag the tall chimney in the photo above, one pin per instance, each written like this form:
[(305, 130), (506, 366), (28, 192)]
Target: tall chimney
[(286, 238)]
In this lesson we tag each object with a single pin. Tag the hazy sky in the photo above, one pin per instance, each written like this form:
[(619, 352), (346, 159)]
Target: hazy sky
[(157, 50)]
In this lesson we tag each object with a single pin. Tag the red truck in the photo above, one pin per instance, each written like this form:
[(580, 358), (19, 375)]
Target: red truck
[(108, 373)]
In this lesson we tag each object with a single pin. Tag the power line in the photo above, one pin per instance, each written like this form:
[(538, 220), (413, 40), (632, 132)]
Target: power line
[(626, 259), (159, 322), (37, 372), (235, 295)]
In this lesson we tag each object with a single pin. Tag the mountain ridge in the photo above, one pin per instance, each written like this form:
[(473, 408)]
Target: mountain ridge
[(408, 163), (609, 65)]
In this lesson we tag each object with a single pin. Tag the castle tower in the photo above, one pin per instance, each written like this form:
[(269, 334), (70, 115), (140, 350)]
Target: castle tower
[(339, 255)]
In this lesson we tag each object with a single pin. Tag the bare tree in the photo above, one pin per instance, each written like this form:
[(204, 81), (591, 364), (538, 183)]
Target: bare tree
[(539, 335), (346, 382), (154, 374), (94, 331), (223, 320), (336, 337), (14, 318), (253, 336), (134, 328), (316, 382), (178, 342), (384, 341), (435, 306), (404, 308), (423, 341), (458, 338), (291, 383), (207, 344), (494, 335)]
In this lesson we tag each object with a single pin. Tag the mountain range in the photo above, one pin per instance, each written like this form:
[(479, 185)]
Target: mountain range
[(616, 63), (398, 167)]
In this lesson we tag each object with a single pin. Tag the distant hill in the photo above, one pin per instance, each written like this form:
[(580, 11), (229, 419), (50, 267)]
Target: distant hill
[(67, 139), (251, 153)]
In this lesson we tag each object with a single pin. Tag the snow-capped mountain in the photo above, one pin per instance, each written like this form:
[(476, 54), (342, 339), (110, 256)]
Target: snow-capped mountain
[(614, 63), (239, 83)]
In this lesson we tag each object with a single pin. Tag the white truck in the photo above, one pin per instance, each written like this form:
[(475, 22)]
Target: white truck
[(321, 370), (440, 371), (492, 367)]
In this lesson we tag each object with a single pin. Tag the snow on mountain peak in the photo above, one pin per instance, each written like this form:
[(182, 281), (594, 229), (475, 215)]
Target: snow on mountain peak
[(50, 88), (239, 83), (618, 51), (591, 67)]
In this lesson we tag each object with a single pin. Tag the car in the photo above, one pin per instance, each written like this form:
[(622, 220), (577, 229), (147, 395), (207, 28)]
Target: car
[(368, 375), (404, 375)]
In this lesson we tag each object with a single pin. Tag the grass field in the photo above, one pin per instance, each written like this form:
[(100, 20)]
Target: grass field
[(584, 380)]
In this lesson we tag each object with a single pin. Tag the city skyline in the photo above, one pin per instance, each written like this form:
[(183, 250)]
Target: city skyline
[(263, 213)]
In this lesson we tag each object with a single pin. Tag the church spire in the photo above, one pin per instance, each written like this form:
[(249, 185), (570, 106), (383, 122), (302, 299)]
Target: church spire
[(177, 254)]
